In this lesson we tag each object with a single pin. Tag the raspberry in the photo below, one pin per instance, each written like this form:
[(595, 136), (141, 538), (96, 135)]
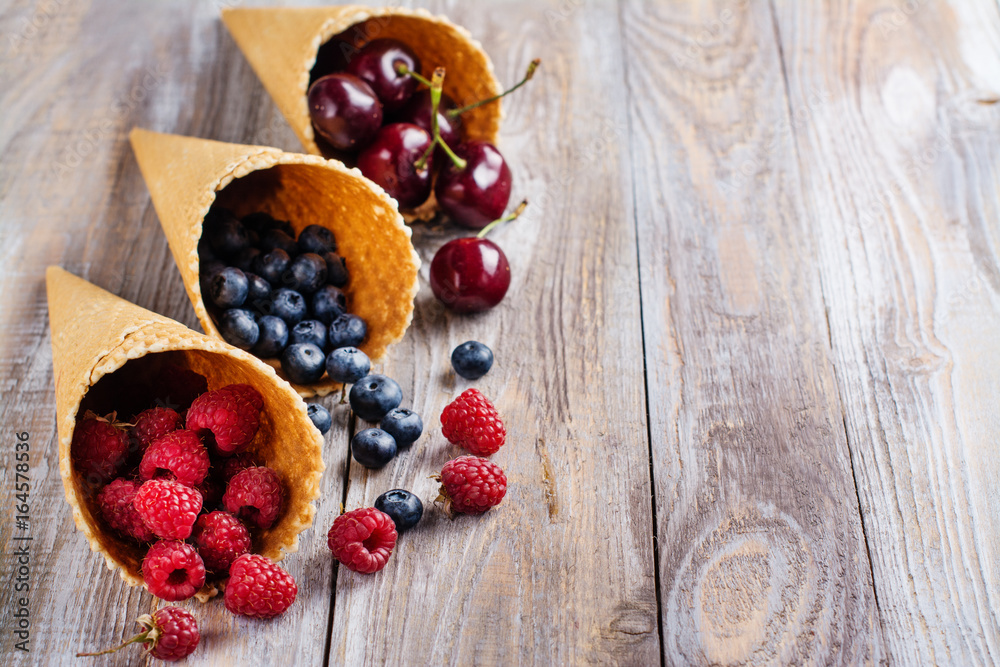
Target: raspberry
[(176, 387), (220, 538), (152, 424), (229, 415), (254, 495), (471, 421), (211, 490), (99, 447), (362, 539), (173, 570), (471, 485), (247, 392), (168, 508), (179, 456), (115, 501), (236, 463), (170, 633), (258, 588)]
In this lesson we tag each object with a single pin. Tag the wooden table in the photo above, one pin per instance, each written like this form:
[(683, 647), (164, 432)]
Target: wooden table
[(749, 361)]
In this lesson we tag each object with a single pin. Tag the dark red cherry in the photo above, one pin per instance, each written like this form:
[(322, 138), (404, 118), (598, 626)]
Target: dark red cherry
[(378, 62), (477, 194), (418, 112), (469, 275), (345, 111), (389, 160)]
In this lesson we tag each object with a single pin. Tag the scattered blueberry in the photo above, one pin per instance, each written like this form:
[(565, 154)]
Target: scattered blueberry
[(270, 265), (328, 303), (336, 269), (347, 330), (289, 305), (239, 328), (373, 447), (405, 426), (305, 274), (320, 417), (347, 365), (373, 396), (273, 337), (309, 331), (302, 363), (275, 238), (228, 288), (225, 232), (472, 360), (317, 239), (403, 507)]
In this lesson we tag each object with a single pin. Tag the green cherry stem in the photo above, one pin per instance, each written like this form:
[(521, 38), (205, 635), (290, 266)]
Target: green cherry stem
[(437, 83), (150, 635), (404, 70), (532, 66), (507, 218)]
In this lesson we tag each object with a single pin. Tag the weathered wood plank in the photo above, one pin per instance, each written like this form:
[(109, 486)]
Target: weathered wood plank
[(761, 553), (900, 166)]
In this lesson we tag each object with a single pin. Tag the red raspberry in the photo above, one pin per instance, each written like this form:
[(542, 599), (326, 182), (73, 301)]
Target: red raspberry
[(236, 463), (254, 495), (176, 387), (247, 392), (220, 538), (179, 456), (471, 485), (471, 421), (152, 424), (171, 633), (115, 501), (99, 448), (211, 490), (230, 416), (362, 539), (258, 588), (168, 508), (173, 570)]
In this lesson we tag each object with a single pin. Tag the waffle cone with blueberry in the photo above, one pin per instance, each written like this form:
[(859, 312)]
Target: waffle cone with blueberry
[(113, 359)]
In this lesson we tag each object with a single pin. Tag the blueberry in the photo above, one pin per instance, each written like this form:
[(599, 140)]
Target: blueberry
[(403, 507), (207, 271), (306, 273), (258, 293), (336, 269), (320, 417), (317, 239), (309, 331), (205, 252), (327, 304), (273, 337), (373, 396), (472, 360), (228, 288), (373, 447), (244, 258), (405, 426), (226, 234), (347, 330), (258, 222), (239, 328), (275, 238), (303, 363), (347, 365), (289, 305), (270, 265)]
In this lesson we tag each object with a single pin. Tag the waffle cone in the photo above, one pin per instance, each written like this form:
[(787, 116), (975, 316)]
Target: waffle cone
[(95, 334), (186, 176)]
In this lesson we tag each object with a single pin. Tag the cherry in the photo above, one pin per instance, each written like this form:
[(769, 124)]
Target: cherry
[(345, 111), (418, 112), (475, 188), (389, 161), (378, 64)]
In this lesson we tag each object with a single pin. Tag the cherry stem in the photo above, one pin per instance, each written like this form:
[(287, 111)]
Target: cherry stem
[(404, 70), (532, 66), (148, 635), (437, 83), (507, 218)]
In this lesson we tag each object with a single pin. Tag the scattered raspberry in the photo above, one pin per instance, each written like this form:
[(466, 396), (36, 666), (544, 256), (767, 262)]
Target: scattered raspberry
[(236, 463), (471, 421), (153, 424), (99, 447), (362, 539), (471, 485), (179, 456), (115, 501), (168, 508), (258, 588), (173, 570), (229, 416), (177, 387), (249, 393), (254, 495), (220, 538), (171, 633)]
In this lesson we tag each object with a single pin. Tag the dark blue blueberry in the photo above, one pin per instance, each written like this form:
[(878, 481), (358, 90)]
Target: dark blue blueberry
[(305, 274), (373, 396), (270, 265), (336, 269), (239, 328), (347, 330), (328, 303), (347, 365), (273, 337), (289, 305), (228, 288), (205, 252), (403, 507), (207, 271), (244, 258), (373, 447), (303, 363), (472, 360), (258, 293), (320, 417), (226, 234), (275, 238), (260, 222), (405, 426), (309, 331), (317, 239)]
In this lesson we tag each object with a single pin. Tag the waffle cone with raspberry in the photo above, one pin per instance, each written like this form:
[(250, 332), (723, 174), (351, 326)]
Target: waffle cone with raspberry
[(105, 349), (186, 176)]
